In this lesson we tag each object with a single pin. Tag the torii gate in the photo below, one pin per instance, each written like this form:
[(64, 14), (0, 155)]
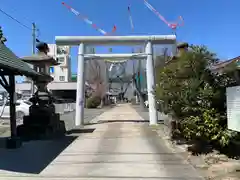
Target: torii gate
[(149, 41)]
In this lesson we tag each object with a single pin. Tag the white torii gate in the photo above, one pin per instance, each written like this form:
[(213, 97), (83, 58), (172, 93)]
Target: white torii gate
[(149, 41)]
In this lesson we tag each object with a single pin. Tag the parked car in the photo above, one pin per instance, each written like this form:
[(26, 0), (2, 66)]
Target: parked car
[(22, 109), (158, 103), (146, 103)]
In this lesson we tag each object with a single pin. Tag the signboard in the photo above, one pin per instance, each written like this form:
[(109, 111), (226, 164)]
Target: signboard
[(233, 108)]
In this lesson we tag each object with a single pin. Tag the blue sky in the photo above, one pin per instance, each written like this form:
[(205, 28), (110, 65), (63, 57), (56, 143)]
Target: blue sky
[(212, 23)]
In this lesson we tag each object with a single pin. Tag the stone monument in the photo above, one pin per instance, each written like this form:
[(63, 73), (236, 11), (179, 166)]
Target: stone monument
[(42, 121)]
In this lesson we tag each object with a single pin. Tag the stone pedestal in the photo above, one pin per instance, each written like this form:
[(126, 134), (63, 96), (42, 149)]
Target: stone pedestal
[(42, 121), (41, 124)]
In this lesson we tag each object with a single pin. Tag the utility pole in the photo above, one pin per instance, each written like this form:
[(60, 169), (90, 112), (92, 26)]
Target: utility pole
[(139, 72), (33, 51), (107, 73), (134, 76), (33, 38)]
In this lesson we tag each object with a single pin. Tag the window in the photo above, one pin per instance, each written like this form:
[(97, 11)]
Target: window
[(42, 69), (62, 78), (51, 70), (61, 59), (61, 50)]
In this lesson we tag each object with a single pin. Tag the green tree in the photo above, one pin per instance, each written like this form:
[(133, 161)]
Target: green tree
[(180, 81), (2, 38), (194, 95)]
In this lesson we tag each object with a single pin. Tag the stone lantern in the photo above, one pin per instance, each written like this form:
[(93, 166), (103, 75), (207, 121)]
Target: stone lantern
[(42, 121), (41, 62), (182, 48)]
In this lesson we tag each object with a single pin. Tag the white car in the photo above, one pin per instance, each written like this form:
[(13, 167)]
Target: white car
[(146, 103), (22, 109)]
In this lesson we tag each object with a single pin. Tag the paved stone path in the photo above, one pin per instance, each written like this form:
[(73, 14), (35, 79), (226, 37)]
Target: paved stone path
[(118, 148)]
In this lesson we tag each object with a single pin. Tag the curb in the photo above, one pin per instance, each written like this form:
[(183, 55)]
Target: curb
[(179, 150)]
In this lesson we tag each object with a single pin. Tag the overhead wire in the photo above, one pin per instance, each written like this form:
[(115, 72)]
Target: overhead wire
[(20, 23), (17, 21)]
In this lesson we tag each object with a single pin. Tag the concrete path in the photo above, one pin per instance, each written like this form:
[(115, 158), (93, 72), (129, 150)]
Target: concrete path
[(115, 148)]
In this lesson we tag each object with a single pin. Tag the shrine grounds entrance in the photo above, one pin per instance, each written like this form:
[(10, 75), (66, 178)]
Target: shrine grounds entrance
[(148, 41)]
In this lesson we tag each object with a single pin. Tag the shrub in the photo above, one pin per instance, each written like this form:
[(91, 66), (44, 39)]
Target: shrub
[(195, 96), (93, 102), (205, 127)]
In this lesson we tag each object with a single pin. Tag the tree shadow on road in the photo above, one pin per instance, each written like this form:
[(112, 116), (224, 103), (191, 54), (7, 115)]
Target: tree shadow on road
[(33, 156), (120, 121), (117, 121)]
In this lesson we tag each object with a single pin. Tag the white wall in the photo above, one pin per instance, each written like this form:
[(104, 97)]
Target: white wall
[(64, 69), (60, 72)]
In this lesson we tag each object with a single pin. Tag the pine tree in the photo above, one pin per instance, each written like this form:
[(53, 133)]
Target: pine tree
[(2, 38)]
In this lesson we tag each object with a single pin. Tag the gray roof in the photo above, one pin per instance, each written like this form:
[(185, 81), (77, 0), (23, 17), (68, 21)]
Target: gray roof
[(223, 64), (9, 61)]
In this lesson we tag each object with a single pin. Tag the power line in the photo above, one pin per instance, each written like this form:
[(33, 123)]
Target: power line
[(8, 15), (23, 25)]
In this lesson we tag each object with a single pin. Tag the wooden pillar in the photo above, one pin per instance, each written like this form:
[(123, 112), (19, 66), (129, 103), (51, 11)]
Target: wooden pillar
[(12, 101), (13, 142)]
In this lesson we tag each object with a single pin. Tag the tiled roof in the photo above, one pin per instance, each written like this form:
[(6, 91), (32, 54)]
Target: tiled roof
[(225, 63), (9, 61)]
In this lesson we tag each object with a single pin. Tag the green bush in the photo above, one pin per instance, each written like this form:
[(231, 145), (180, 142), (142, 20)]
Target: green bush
[(205, 127), (195, 96), (93, 102)]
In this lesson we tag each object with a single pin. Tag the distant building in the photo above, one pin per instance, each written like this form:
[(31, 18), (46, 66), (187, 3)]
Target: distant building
[(62, 72), (221, 66)]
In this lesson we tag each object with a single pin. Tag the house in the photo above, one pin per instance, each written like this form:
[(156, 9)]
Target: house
[(223, 65)]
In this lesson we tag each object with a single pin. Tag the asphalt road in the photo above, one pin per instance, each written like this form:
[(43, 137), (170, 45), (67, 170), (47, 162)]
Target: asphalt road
[(89, 114), (68, 118)]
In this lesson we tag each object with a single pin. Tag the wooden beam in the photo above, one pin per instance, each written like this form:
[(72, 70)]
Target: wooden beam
[(4, 80), (7, 72), (4, 86), (4, 83)]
